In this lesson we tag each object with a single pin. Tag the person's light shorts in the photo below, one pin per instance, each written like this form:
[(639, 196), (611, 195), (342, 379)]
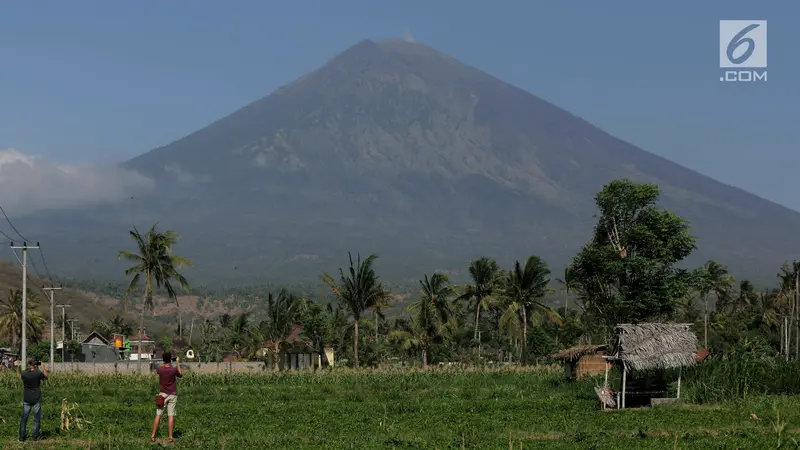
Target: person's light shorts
[(169, 403)]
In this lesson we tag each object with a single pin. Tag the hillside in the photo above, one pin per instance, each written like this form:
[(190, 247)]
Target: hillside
[(394, 148), (86, 307)]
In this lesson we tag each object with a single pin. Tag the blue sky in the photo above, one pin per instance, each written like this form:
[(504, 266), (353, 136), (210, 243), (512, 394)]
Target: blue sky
[(104, 81)]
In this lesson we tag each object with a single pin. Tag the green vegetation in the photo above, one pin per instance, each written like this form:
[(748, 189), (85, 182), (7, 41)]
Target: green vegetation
[(453, 408), (628, 272)]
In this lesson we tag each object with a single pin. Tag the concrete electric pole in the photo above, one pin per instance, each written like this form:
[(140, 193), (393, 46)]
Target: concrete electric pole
[(63, 332), (52, 325), (24, 248)]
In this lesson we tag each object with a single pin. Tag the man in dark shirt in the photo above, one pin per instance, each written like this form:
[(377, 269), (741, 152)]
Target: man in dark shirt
[(167, 381), (32, 379)]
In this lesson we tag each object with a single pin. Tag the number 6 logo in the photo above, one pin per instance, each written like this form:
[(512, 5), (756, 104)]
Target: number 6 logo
[(738, 40), (742, 44)]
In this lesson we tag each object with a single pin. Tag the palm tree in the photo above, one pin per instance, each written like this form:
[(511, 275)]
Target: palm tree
[(434, 316), (568, 284), (523, 287), (357, 292), (241, 337), (283, 313), (155, 263), (484, 275), (11, 318), (713, 277)]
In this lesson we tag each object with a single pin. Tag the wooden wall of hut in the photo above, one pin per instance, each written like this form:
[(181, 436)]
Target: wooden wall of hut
[(591, 365)]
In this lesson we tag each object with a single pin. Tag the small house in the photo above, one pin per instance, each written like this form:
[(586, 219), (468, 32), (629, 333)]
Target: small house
[(297, 353), (96, 348), (147, 347), (646, 355), (583, 360)]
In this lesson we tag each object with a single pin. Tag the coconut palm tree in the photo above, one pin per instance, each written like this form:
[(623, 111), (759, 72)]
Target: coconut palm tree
[(357, 292), (567, 284), (156, 264), (11, 318), (713, 277), (283, 313), (484, 274), (433, 316), (522, 290)]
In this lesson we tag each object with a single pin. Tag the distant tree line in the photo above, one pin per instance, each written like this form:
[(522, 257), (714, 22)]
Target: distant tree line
[(627, 272)]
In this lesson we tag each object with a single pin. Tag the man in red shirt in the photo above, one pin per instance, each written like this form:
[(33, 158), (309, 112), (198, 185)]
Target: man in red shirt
[(167, 380)]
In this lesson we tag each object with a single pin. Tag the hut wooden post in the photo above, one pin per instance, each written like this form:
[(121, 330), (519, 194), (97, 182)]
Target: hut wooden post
[(680, 371), (624, 383), (605, 382)]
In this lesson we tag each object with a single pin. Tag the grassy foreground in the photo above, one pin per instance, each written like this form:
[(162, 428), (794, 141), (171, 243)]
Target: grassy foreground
[(523, 408)]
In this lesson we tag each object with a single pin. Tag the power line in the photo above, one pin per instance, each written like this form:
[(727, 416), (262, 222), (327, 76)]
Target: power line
[(25, 239), (12, 225), (46, 269)]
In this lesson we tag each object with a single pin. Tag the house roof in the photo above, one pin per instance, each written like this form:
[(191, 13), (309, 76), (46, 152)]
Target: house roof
[(295, 335), (95, 334), (578, 351), (144, 337), (648, 346)]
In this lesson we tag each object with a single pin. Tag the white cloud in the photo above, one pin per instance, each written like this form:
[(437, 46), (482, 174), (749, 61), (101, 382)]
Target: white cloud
[(29, 183), (183, 176)]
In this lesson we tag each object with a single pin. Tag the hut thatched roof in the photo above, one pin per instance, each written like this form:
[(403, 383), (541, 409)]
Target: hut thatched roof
[(578, 351), (655, 345)]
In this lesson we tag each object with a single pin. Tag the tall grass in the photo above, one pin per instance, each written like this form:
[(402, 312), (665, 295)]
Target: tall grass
[(746, 371)]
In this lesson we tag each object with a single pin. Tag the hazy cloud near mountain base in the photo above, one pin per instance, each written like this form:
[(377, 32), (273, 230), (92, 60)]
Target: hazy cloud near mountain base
[(29, 184)]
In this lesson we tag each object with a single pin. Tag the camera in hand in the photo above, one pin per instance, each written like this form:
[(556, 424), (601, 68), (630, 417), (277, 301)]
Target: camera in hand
[(37, 363)]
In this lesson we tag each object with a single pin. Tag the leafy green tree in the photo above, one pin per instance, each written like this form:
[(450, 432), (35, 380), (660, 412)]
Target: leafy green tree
[(316, 322), (11, 319), (357, 292), (626, 273), (522, 291), (156, 264), (483, 273)]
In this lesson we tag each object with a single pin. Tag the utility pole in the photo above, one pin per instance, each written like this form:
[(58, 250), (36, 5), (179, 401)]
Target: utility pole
[(24, 249), (72, 328), (52, 324), (63, 332)]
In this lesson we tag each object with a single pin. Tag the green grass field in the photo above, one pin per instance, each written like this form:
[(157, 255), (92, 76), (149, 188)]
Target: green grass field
[(519, 408)]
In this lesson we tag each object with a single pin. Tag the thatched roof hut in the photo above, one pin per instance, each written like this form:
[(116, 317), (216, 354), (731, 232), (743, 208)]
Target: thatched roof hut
[(648, 346), (573, 353), (583, 360), (652, 347)]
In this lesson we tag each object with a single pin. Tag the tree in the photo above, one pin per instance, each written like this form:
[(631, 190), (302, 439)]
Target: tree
[(283, 313), (156, 263), (357, 292), (11, 319), (712, 277), (433, 316), (626, 273), (522, 289), (567, 285), (316, 322), (484, 275)]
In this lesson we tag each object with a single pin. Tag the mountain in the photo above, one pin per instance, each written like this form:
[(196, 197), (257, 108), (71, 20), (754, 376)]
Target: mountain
[(395, 148)]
